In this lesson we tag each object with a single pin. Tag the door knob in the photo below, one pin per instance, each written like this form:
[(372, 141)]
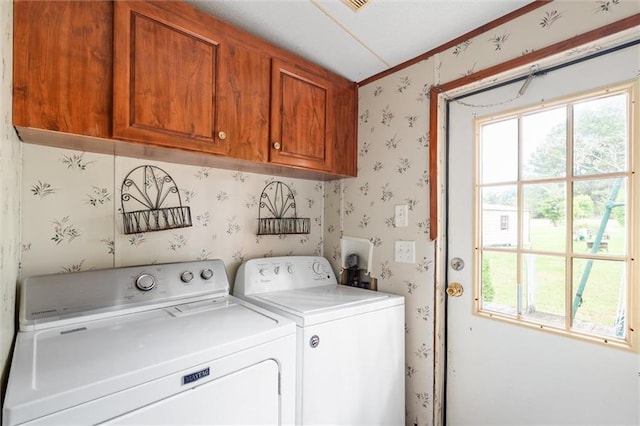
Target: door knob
[(276, 145), (455, 290), (222, 135)]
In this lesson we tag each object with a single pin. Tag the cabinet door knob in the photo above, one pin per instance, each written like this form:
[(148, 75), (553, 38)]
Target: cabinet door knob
[(276, 145), (222, 135)]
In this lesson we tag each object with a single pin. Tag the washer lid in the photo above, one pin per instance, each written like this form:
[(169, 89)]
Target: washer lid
[(326, 303), (62, 367)]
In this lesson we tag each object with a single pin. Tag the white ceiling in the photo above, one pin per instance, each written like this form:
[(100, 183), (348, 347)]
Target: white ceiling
[(357, 45)]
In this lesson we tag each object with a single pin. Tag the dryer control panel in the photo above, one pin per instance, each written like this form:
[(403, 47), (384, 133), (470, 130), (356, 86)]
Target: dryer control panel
[(283, 273)]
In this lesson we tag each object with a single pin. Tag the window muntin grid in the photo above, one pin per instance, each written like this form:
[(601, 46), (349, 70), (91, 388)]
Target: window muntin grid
[(562, 174)]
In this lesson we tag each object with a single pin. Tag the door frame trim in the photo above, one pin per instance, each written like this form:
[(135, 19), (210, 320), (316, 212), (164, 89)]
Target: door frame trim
[(438, 130)]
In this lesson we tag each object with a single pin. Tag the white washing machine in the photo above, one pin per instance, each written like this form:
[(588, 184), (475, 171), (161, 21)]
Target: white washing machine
[(350, 361), (157, 344)]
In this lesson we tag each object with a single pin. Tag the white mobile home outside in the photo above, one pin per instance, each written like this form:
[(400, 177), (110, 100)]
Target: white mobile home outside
[(500, 226)]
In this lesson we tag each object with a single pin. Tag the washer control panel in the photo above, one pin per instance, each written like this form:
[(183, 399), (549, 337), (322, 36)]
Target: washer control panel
[(52, 297), (283, 273)]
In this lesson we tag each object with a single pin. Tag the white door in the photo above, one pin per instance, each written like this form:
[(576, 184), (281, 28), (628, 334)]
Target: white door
[(501, 372)]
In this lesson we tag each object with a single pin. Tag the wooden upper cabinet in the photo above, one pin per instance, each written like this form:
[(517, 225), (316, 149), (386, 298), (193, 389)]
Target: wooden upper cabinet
[(62, 67), (91, 74), (178, 84), (302, 118)]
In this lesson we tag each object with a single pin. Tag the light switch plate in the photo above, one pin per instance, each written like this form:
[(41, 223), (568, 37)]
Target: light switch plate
[(405, 251), (402, 215)]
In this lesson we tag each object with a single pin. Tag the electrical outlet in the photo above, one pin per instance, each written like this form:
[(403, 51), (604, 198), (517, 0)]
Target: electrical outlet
[(402, 215), (405, 251)]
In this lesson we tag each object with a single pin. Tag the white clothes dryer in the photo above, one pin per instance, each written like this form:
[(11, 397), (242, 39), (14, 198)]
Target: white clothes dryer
[(156, 344), (350, 360)]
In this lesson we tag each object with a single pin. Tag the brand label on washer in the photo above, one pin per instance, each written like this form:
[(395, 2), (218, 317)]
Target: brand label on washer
[(314, 341), (190, 378)]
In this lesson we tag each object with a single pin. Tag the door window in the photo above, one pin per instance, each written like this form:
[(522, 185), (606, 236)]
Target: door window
[(554, 198)]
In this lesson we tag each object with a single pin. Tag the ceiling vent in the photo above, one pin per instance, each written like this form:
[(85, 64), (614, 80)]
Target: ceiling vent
[(356, 5)]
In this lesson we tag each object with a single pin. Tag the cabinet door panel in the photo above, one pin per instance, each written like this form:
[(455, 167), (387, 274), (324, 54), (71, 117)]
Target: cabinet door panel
[(302, 118), (62, 66), (243, 96), (172, 80), (164, 79)]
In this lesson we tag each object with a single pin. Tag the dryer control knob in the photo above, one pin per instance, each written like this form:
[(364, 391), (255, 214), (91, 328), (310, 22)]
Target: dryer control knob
[(290, 269), (186, 276), (206, 274), (145, 282)]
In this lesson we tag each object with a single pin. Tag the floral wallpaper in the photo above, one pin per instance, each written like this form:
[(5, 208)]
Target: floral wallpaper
[(557, 21), (393, 141), (72, 214), (9, 194), (71, 218)]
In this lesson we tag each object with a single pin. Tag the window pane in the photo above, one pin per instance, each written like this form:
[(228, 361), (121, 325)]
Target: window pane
[(499, 151), (600, 216), (544, 217), (543, 295), (601, 297), (544, 144), (554, 216), (499, 283), (499, 216), (600, 136)]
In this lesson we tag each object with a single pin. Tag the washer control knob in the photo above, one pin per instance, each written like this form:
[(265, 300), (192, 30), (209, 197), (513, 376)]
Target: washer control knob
[(206, 274), (290, 269), (186, 276), (316, 267), (262, 271), (276, 270), (145, 282)]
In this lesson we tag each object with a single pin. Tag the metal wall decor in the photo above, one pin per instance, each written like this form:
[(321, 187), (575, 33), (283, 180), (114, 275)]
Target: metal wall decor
[(151, 202), (277, 212)]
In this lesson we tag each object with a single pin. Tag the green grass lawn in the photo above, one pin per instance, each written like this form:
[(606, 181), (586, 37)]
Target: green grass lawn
[(544, 276)]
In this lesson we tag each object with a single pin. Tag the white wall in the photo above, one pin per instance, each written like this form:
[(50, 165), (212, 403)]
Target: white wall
[(9, 193)]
